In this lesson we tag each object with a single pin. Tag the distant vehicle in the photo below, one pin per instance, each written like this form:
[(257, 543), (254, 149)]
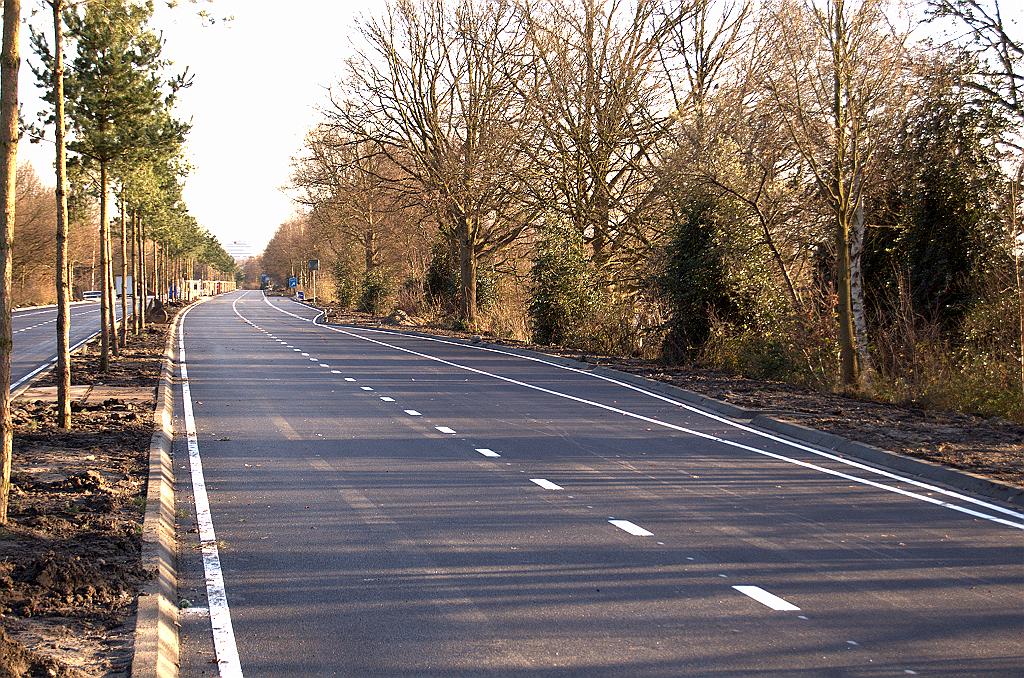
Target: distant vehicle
[(91, 295)]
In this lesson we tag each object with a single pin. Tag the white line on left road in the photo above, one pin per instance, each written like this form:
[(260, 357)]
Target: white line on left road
[(228, 662), (767, 599)]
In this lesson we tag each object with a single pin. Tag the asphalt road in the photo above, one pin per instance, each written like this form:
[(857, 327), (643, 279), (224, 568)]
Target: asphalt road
[(386, 505), (35, 337)]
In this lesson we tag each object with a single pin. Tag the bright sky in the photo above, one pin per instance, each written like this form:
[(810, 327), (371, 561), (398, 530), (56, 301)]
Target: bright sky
[(258, 82)]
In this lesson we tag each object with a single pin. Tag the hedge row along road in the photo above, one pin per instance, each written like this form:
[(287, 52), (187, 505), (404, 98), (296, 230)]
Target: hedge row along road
[(371, 504)]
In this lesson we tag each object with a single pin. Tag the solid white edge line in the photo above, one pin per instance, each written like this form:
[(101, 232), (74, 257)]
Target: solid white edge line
[(700, 434), (228, 662), (631, 527), (695, 410), (767, 599)]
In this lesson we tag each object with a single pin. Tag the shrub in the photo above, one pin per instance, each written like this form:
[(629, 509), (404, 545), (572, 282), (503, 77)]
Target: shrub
[(346, 288), (565, 294), (377, 292)]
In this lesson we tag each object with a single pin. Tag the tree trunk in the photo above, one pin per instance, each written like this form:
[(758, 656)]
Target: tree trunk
[(63, 280), (860, 319), (10, 61), (124, 275), (467, 270), (134, 268), (105, 298)]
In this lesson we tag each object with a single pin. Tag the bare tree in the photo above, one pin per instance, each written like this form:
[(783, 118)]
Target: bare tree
[(835, 94), (434, 90), (601, 110)]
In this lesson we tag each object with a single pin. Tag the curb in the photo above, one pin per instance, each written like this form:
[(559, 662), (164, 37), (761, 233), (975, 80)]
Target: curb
[(921, 469), (156, 620)]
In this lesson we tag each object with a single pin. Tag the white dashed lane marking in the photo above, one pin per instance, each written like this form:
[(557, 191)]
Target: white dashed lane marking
[(413, 413), (767, 599), (445, 429), (387, 399), (546, 484), (632, 528), (487, 453)]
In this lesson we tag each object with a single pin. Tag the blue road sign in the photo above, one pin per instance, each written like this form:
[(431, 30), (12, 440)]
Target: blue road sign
[(293, 281)]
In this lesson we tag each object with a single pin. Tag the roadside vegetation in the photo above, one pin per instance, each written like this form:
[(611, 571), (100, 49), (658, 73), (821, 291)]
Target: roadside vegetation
[(820, 192)]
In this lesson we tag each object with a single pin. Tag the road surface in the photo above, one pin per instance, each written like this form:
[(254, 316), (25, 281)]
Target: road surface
[(35, 337), (374, 504)]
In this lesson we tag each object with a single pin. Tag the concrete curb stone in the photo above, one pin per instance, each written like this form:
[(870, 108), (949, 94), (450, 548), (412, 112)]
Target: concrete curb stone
[(155, 652)]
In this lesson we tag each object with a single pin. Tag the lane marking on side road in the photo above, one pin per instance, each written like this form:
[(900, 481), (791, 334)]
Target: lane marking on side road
[(546, 484), (1017, 523), (487, 453), (228, 662), (387, 399), (767, 599), (632, 528), (445, 429), (366, 388), (413, 413)]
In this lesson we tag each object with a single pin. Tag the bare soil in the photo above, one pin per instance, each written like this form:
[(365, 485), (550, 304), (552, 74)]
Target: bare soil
[(70, 567), (989, 447)]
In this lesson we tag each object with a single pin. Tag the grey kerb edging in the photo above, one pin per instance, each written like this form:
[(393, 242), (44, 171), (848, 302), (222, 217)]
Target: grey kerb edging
[(156, 621), (838, 445)]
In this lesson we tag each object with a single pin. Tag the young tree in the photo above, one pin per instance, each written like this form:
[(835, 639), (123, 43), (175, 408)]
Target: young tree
[(118, 98), (836, 91), (10, 61)]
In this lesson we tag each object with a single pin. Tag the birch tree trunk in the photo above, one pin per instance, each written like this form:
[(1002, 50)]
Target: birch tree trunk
[(10, 61), (860, 320)]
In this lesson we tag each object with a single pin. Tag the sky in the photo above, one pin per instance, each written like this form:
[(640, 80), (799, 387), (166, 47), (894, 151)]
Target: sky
[(259, 80)]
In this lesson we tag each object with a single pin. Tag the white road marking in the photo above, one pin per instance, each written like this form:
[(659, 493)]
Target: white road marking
[(413, 413), (546, 484), (326, 367), (445, 429), (707, 436), (335, 371), (314, 360), (366, 388), (767, 599), (487, 453), (228, 662), (387, 399), (305, 355), (349, 379), (632, 528)]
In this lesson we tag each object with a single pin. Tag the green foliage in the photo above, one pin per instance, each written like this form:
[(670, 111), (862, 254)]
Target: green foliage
[(565, 294), (695, 279), (944, 199), (443, 281), (346, 286), (377, 292)]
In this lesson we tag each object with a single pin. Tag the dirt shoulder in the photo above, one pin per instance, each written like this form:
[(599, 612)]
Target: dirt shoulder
[(989, 447), (70, 566)]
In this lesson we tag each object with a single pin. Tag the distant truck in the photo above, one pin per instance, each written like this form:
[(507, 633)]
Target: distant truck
[(91, 295), (117, 286)]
